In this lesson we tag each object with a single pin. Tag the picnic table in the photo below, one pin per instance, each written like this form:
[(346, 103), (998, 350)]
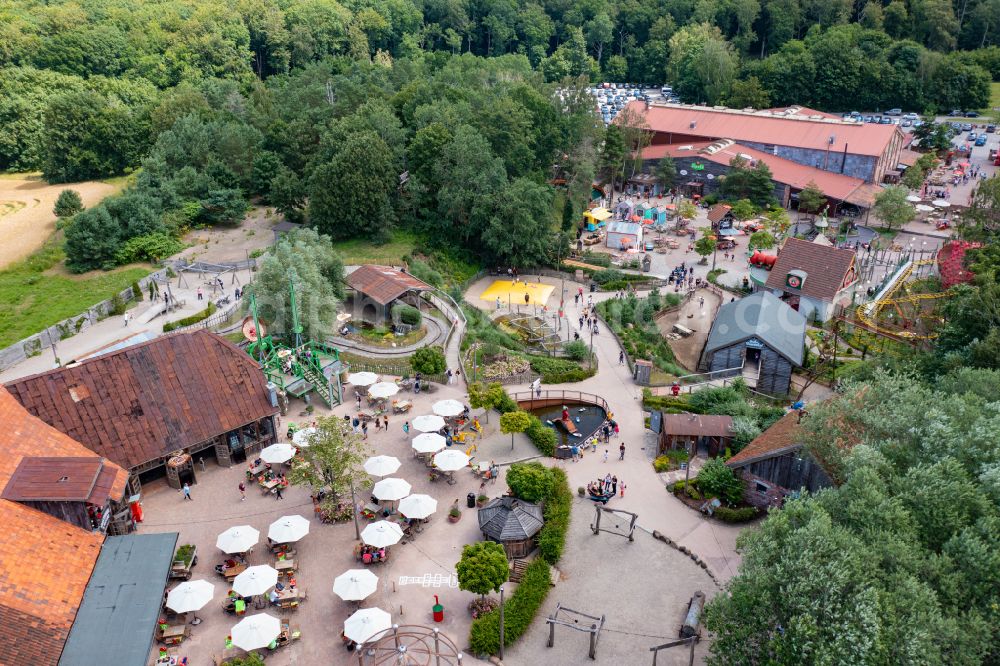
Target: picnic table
[(232, 572), (370, 511), (173, 634), (285, 566), (269, 486), (259, 469), (289, 598), (367, 415), (401, 406)]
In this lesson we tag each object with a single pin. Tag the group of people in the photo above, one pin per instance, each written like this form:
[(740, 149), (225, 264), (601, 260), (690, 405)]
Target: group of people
[(608, 486), (371, 554), (273, 597), (680, 274)]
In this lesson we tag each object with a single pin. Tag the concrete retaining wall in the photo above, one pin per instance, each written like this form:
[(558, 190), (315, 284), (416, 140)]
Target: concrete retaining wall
[(67, 328)]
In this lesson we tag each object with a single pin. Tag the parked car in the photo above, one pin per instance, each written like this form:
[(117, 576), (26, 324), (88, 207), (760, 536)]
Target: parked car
[(886, 120), (894, 112), (955, 113), (907, 123), (981, 140), (971, 114), (972, 136), (967, 127), (910, 116), (990, 129)]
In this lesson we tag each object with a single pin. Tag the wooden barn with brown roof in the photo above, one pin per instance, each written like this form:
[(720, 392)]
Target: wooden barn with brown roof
[(774, 464), (188, 394), (813, 278), (686, 431), (378, 287)]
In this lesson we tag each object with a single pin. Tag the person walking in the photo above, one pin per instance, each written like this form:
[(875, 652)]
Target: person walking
[(364, 430), (277, 492), (243, 492), (128, 315), (622, 488), (186, 489), (614, 485), (450, 376), (385, 422), (621, 357), (200, 295), (406, 430), (621, 451), (605, 455)]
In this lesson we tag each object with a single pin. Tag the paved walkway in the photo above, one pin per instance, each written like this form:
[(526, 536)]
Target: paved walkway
[(436, 331)]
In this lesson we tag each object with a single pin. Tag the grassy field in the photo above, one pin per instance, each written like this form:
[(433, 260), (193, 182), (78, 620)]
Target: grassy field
[(994, 97), (359, 251), (35, 294)]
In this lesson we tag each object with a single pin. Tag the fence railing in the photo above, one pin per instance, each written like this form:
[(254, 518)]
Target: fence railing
[(561, 394), (217, 318)]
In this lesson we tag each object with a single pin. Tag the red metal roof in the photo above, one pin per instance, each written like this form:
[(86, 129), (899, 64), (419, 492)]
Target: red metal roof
[(384, 284), (54, 479), (826, 268), (143, 402), (766, 128), (697, 425)]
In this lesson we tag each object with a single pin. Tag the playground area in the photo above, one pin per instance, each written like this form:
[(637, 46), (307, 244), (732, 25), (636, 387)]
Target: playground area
[(513, 293)]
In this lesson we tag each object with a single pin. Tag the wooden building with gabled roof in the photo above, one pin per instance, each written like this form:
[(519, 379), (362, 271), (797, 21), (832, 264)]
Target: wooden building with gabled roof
[(191, 393)]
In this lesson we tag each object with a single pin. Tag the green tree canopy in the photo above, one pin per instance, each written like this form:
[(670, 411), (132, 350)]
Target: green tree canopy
[(483, 568), (532, 481), (892, 207), (429, 361), (68, 204), (512, 422)]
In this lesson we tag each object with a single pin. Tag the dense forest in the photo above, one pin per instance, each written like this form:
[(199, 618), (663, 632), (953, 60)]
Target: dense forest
[(330, 110)]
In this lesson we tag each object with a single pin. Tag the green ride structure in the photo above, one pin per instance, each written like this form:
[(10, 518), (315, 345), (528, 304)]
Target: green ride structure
[(301, 368)]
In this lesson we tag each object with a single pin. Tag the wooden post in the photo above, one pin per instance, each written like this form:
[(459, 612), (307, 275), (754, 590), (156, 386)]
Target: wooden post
[(552, 633), (593, 641)]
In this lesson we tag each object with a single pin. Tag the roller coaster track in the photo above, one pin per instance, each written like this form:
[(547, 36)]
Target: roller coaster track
[(868, 313)]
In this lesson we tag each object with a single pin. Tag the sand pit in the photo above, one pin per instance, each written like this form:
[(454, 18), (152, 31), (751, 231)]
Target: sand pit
[(26, 217)]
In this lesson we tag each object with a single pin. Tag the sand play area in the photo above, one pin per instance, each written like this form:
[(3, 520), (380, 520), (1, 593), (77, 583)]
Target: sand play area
[(513, 293), (26, 217)]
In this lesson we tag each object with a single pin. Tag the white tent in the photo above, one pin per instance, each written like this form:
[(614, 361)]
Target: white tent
[(448, 407), (288, 529), (362, 378), (237, 539), (383, 390), (418, 506), (278, 453), (428, 423), (381, 534), (255, 580), (366, 623), (255, 631), (391, 489), (302, 437), (428, 442), (191, 595), (450, 460), (355, 584), (381, 465)]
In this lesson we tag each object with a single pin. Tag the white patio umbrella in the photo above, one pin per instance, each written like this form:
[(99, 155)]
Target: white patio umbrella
[(255, 580), (383, 390), (237, 539), (362, 378), (381, 465), (924, 208), (278, 453), (418, 506), (355, 584), (391, 489), (913, 198), (428, 423), (302, 437), (191, 595), (366, 623), (288, 529), (428, 442), (448, 407), (450, 460), (381, 534), (255, 631), (941, 203)]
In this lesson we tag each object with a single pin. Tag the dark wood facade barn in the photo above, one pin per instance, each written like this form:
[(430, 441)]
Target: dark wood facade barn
[(188, 393), (775, 464), (759, 337), (684, 431)]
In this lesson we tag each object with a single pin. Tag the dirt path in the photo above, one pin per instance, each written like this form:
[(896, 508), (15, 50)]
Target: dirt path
[(696, 316), (26, 217)]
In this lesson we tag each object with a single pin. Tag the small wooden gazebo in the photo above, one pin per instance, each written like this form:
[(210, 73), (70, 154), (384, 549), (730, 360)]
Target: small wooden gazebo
[(512, 523)]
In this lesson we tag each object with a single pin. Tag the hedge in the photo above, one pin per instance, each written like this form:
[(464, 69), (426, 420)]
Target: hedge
[(193, 319), (740, 515), (542, 436), (552, 537), (559, 370), (519, 612)]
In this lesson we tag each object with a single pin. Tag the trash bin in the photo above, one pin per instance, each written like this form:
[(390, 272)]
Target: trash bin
[(438, 610), (593, 287), (470, 500)]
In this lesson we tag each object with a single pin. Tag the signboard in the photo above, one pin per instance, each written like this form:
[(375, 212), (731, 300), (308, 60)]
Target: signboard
[(754, 343), (655, 421), (684, 172), (793, 280), (697, 166)]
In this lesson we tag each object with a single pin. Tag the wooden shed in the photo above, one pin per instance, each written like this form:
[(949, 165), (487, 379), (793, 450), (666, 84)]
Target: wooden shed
[(512, 523), (775, 464), (683, 431)]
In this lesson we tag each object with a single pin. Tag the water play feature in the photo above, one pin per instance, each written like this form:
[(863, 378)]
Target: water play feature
[(586, 419)]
